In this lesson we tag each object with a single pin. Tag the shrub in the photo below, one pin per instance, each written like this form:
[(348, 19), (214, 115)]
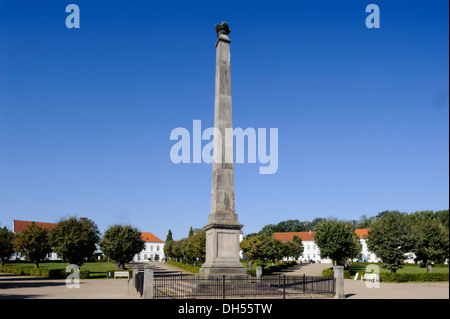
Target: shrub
[(329, 272), (84, 274), (55, 273)]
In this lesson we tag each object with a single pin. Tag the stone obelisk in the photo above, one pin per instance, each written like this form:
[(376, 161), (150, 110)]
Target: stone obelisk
[(223, 227)]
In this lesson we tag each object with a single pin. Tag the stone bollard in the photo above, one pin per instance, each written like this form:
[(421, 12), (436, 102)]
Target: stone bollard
[(134, 277), (148, 282), (258, 273), (339, 276)]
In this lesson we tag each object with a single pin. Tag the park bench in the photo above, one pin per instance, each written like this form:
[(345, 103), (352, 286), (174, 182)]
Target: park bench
[(371, 277), (121, 274)]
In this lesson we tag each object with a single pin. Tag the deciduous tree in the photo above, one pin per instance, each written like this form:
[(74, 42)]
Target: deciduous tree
[(6, 246), (337, 240), (121, 243), (431, 242), (253, 249), (74, 239), (33, 242), (390, 238), (273, 249), (292, 249)]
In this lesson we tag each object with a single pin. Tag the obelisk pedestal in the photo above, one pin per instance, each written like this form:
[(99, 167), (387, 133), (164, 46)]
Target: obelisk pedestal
[(223, 227)]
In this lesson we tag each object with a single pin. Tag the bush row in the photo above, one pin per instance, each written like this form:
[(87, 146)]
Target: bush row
[(329, 272), (41, 272), (427, 277), (391, 277)]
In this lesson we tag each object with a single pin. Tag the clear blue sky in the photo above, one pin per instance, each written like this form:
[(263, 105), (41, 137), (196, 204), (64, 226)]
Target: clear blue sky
[(86, 114)]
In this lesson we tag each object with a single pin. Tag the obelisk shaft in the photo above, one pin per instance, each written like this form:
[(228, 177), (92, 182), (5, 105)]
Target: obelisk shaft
[(223, 227), (222, 193)]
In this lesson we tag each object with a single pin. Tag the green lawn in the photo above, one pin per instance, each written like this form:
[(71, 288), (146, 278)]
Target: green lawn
[(96, 269), (408, 269)]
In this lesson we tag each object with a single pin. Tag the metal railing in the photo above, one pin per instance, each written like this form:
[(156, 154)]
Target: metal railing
[(222, 287)]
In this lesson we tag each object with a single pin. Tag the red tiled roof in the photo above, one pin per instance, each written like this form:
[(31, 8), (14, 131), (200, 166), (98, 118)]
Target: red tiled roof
[(149, 237), (305, 236), (289, 236), (20, 225), (362, 233)]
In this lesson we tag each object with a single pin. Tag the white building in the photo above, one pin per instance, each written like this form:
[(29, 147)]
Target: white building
[(366, 255), (311, 252), (153, 250), (241, 237), (20, 225)]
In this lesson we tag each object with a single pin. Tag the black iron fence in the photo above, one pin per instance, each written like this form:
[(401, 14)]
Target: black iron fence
[(221, 287)]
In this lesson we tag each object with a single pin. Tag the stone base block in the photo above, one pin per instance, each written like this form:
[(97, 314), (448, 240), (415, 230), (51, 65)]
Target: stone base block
[(222, 251), (223, 268)]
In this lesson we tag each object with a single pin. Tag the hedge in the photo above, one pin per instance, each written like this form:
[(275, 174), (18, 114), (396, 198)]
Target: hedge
[(395, 277), (329, 272), (41, 272), (428, 277)]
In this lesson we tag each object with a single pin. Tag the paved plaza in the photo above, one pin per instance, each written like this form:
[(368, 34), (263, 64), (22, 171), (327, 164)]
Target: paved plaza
[(357, 289), (25, 287)]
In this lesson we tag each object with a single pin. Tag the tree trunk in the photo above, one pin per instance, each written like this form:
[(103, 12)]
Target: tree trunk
[(429, 267), (36, 265)]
